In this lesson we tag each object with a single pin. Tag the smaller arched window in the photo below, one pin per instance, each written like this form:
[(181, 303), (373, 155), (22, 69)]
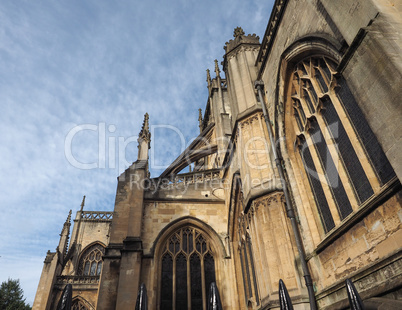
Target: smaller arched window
[(188, 269), (91, 261)]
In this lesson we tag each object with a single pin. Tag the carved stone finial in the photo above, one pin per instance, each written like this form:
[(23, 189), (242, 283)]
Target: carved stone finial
[(144, 133), (68, 221), (200, 119), (82, 203), (241, 38), (217, 71), (208, 78), (238, 32)]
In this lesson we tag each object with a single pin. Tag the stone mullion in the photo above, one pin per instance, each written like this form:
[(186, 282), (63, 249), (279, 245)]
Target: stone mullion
[(343, 175), (204, 293), (349, 187), (320, 172), (350, 131), (303, 187), (322, 177), (338, 161)]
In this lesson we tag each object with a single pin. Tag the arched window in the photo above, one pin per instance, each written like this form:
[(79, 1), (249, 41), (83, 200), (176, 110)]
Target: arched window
[(91, 261), (244, 256), (343, 160), (188, 269)]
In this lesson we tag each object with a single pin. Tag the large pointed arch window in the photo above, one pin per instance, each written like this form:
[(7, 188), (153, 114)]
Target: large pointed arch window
[(91, 261), (188, 269), (344, 163)]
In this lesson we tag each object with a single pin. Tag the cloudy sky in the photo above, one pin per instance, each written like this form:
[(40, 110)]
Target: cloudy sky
[(76, 78)]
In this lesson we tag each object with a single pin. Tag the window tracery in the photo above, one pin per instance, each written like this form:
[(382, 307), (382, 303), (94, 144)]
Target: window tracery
[(243, 254), (187, 270), (78, 305), (339, 151), (91, 261)]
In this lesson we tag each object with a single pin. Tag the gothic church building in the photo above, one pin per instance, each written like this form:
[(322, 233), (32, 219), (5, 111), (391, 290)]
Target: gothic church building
[(295, 175)]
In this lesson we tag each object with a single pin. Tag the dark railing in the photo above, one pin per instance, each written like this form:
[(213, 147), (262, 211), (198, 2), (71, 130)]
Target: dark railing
[(284, 298), (66, 298), (142, 298), (214, 300), (355, 301)]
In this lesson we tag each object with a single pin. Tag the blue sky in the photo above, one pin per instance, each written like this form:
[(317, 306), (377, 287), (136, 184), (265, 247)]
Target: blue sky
[(98, 65)]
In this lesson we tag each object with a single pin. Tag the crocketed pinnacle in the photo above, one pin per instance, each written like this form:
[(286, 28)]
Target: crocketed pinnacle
[(217, 71), (68, 221), (238, 32), (66, 225), (200, 118), (208, 78), (82, 203), (144, 133)]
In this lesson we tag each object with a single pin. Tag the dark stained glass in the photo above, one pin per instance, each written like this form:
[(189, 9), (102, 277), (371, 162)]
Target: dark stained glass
[(190, 242), (196, 283), (204, 246), (303, 69), (312, 93), (171, 246), (315, 184), (184, 243), (374, 150), (90, 260), (352, 163), (181, 282), (326, 70), (99, 269), (167, 283), (307, 99), (302, 114), (189, 270), (321, 81), (209, 269), (296, 114), (331, 172), (86, 268), (93, 268)]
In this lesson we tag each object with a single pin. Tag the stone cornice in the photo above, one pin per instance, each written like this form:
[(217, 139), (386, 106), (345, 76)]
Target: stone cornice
[(270, 32)]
